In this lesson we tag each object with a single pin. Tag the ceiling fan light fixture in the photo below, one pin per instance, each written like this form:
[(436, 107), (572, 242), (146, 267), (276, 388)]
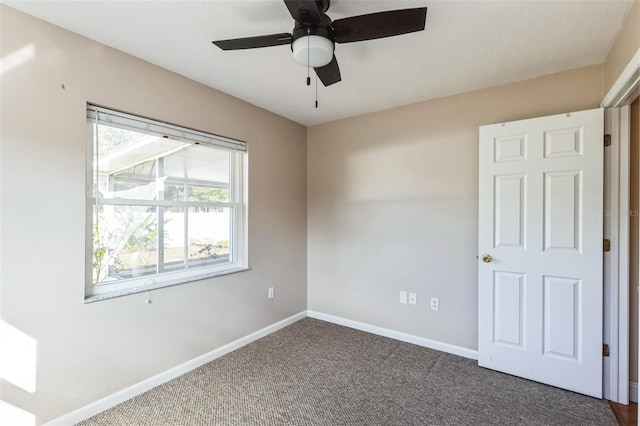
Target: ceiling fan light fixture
[(312, 50)]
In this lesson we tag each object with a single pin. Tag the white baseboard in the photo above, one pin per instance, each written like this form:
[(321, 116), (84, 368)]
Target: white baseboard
[(633, 391), (409, 338), (128, 393), (141, 387)]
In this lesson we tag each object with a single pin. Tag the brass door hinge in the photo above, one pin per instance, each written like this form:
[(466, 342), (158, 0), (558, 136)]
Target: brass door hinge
[(607, 140), (606, 245), (605, 349)]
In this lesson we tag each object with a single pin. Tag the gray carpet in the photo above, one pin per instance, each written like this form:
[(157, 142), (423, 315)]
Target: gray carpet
[(317, 373)]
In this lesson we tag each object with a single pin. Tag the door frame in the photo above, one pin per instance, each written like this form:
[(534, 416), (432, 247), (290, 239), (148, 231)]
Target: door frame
[(616, 275)]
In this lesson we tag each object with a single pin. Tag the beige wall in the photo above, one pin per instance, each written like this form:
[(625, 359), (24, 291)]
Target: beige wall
[(89, 351), (624, 47), (634, 254), (393, 204)]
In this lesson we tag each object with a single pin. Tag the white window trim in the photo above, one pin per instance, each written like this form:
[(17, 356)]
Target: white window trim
[(238, 200)]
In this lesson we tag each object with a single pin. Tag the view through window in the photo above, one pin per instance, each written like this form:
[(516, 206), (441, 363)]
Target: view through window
[(166, 204)]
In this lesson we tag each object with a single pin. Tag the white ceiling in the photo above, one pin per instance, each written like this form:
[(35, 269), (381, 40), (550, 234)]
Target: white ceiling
[(467, 45)]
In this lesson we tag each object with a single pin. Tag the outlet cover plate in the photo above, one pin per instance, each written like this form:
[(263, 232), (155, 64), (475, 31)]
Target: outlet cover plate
[(435, 304), (412, 299)]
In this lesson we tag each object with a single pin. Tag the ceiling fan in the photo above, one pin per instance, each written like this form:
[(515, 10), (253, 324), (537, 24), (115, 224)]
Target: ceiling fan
[(315, 34)]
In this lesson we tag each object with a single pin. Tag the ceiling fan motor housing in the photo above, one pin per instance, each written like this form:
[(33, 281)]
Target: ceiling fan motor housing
[(312, 45)]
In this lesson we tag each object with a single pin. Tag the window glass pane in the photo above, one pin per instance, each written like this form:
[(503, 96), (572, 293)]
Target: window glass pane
[(209, 235), (204, 194), (174, 226), (125, 243), (112, 140), (120, 149), (137, 183), (201, 171), (174, 190)]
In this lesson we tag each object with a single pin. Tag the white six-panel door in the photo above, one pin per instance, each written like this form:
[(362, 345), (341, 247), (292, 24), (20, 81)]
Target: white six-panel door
[(540, 223)]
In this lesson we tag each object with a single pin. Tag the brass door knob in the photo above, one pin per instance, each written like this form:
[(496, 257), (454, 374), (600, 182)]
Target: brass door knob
[(486, 258)]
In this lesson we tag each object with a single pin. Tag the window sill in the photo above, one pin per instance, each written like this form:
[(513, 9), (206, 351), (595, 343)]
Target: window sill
[(134, 290)]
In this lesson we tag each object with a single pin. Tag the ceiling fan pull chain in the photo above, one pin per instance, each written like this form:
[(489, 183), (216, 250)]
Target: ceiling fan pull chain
[(316, 90), (308, 60)]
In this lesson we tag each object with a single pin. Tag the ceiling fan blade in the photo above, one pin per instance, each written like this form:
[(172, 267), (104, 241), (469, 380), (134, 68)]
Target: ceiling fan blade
[(304, 11), (254, 42), (379, 25), (330, 73)]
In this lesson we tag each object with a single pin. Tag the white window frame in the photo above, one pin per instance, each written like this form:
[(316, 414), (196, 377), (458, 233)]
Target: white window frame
[(238, 253)]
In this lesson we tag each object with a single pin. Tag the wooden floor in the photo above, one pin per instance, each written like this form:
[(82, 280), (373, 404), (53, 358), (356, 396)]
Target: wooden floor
[(627, 415)]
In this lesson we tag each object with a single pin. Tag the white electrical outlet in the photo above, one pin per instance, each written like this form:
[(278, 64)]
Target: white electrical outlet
[(271, 293), (412, 298), (435, 304), (403, 297)]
